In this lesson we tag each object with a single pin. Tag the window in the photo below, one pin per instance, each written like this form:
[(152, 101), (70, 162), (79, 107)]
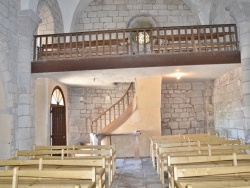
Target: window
[(143, 37), (57, 97)]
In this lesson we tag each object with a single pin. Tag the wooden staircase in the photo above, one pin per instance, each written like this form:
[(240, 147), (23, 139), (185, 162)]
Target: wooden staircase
[(116, 115)]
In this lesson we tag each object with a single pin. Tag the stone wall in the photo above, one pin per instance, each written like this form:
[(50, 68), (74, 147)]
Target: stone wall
[(8, 72), (219, 14), (228, 105), (50, 13), (116, 14), (187, 108), (85, 104)]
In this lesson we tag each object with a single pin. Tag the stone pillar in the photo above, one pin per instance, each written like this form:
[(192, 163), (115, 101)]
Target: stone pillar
[(239, 10), (28, 23)]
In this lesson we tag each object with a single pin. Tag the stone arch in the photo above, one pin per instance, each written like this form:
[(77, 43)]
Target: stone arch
[(50, 13), (142, 21), (80, 8)]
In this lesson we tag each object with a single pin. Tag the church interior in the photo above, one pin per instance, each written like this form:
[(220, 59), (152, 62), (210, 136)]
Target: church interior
[(125, 93)]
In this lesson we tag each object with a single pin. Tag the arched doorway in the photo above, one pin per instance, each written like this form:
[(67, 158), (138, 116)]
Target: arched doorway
[(58, 118)]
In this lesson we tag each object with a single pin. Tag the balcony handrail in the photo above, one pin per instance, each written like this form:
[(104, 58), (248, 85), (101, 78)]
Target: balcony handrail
[(135, 29), (126, 99), (139, 41)]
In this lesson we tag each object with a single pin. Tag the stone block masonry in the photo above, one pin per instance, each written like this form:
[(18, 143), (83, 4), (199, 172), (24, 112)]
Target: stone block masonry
[(94, 101), (228, 105), (116, 14), (187, 108)]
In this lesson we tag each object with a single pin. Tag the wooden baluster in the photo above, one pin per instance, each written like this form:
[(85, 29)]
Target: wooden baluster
[(151, 40), (77, 46), (205, 38), (105, 121), (125, 43), (110, 43), (127, 99), (58, 47), (212, 37), (103, 43), (46, 42), (131, 47), (218, 39), (165, 41), (224, 37), (90, 44), (144, 42), (83, 44), (52, 44), (193, 39), (123, 104), (117, 43), (179, 37), (186, 38), (70, 44), (199, 37), (109, 115), (230, 38), (35, 49), (137, 42), (158, 40), (41, 45), (96, 43), (64, 46), (172, 36)]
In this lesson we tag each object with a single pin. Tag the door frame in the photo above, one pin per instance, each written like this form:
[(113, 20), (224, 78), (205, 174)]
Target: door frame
[(57, 105)]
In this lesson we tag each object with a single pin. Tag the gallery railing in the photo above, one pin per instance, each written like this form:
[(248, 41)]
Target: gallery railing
[(160, 40)]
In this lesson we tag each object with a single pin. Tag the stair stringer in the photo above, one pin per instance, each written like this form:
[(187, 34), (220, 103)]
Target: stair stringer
[(121, 119)]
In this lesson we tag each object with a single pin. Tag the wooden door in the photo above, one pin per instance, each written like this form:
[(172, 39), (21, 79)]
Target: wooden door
[(58, 126)]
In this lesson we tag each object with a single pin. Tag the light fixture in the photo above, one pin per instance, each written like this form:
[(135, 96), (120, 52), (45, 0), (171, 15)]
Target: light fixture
[(178, 75)]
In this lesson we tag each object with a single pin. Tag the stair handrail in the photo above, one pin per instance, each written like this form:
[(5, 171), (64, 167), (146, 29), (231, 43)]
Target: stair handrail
[(127, 97)]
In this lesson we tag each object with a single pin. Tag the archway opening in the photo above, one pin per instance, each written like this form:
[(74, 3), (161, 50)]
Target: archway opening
[(58, 118)]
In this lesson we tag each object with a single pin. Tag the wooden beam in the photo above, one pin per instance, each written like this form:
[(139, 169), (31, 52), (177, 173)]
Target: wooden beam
[(136, 61)]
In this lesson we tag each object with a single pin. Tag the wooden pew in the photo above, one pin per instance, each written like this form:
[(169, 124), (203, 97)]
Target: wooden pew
[(211, 177), (199, 151), (72, 164), (169, 138), (21, 178), (110, 148), (73, 154), (204, 161), (178, 139)]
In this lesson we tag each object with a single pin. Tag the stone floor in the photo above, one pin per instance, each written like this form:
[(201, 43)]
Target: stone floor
[(135, 173)]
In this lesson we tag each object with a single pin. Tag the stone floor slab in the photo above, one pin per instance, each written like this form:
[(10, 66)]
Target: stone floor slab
[(135, 173)]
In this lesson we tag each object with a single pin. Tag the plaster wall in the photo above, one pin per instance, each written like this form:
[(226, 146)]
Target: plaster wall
[(146, 119), (228, 105), (43, 91)]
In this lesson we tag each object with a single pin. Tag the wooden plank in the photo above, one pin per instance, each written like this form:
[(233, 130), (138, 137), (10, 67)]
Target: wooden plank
[(115, 62)]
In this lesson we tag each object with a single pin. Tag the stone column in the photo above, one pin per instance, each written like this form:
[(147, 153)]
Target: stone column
[(28, 23), (239, 10)]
